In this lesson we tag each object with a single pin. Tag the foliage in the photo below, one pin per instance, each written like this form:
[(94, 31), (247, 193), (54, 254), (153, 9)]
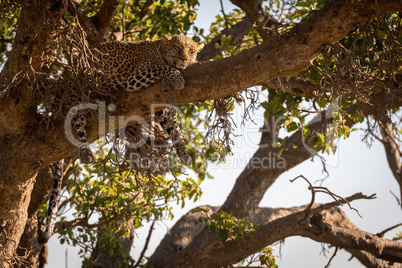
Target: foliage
[(398, 236), (227, 227), (266, 258), (8, 22), (103, 198)]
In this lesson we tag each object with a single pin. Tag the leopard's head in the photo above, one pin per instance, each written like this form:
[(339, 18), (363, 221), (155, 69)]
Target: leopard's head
[(180, 50)]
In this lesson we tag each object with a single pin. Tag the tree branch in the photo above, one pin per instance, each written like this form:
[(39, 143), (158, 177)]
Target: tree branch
[(96, 27), (106, 13), (279, 56), (301, 87), (255, 13), (237, 32), (391, 147), (330, 226)]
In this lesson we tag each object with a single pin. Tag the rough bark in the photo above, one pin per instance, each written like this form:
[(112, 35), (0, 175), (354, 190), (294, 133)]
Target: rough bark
[(29, 247), (392, 150), (329, 226), (96, 27), (17, 119)]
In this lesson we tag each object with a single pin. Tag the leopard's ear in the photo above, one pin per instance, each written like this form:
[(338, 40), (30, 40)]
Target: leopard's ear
[(166, 38), (200, 46)]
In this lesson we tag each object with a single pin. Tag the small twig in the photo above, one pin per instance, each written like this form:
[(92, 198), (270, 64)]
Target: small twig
[(307, 210), (338, 199), (282, 12), (123, 21), (66, 258), (146, 245), (332, 257), (342, 201), (397, 198), (224, 15), (381, 234)]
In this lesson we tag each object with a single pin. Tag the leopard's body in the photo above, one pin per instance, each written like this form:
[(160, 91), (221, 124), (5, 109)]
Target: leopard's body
[(147, 141), (132, 66), (136, 65)]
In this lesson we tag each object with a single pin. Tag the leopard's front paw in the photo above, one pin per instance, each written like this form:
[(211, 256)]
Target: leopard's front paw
[(177, 84)]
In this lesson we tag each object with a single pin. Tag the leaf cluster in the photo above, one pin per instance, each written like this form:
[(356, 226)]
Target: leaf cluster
[(102, 198), (227, 226)]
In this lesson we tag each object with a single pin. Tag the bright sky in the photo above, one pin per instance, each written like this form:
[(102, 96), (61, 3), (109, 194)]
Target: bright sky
[(354, 168)]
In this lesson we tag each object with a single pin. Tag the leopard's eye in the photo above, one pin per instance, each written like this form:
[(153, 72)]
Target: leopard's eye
[(173, 51), (191, 50)]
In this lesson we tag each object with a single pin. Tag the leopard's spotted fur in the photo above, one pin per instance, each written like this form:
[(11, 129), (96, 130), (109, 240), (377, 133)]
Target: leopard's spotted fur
[(57, 169), (147, 142), (136, 65)]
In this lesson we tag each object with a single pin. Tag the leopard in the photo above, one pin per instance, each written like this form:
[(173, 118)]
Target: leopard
[(147, 141), (132, 66), (135, 65)]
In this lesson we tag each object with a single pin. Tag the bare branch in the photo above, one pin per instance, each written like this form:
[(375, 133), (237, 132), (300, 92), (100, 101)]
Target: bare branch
[(237, 32), (296, 86), (146, 245), (329, 226), (332, 257), (106, 13), (397, 198), (255, 13), (381, 234), (391, 147), (96, 27)]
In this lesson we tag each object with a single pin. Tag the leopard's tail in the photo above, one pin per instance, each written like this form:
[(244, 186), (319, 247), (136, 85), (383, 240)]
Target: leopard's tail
[(55, 194), (167, 119)]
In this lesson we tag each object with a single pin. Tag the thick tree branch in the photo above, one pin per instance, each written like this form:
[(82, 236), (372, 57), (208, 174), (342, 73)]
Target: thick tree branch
[(301, 87), (370, 261), (237, 32), (106, 13), (391, 147), (330, 226), (255, 12), (96, 27)]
